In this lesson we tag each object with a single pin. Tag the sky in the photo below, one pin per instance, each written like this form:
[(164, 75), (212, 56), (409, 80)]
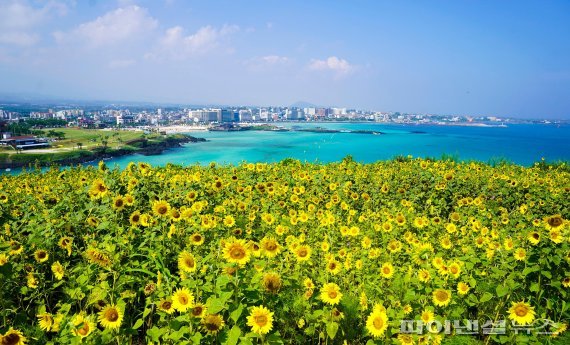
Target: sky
[(501, 58)]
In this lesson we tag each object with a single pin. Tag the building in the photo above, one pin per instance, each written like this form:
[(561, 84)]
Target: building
[(245, 115), (24, 142)]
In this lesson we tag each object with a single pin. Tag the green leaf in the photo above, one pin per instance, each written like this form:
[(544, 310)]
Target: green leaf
[(233, 336), (547, 274), (486, 297), (502, 290), (138, 324), (534, 287), (215, 305), (236, 313), (332, 328), (275, 339)]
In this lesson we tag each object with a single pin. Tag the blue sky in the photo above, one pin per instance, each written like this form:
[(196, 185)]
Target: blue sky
[(506, 58)]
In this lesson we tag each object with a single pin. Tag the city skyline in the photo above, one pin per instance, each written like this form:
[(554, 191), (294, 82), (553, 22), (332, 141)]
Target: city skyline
[(486, 58)]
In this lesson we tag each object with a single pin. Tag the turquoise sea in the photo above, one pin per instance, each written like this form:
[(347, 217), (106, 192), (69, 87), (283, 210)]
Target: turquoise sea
[(521, 144)]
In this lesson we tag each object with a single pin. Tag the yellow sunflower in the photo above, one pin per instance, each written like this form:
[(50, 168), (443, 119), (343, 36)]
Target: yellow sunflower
[(111, 317), (196, 239), (199, 310), (41, 255), (462, 288), (377, 323), (186, 262), (272, 282), (182, 299), (441, 297), (260, 320), (118, 203), (13, 337), (330, 293), (82, 325), (45, 321), (212, 323), (58, 270), (166, 306), (302, 253), (270, 247), (236, 251), (522, 313), (387, 270), (161, 208)]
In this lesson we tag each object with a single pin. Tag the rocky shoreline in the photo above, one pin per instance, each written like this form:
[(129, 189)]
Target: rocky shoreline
[(139, 146)]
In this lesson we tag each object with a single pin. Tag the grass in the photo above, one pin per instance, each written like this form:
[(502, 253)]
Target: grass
[(91, 138)]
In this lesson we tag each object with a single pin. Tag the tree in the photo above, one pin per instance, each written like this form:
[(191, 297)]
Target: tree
[(79, 146)]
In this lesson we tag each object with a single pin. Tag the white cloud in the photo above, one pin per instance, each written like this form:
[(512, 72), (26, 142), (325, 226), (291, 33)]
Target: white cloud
[(174, 44), (121, 63), (18, 19), (274, 59), (339, 66), (114, 27)]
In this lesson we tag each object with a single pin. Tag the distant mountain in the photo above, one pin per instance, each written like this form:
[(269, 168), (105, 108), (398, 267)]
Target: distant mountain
[(303, 104)]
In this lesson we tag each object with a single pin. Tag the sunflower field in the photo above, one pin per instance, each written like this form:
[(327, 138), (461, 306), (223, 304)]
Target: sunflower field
[(408, 251)]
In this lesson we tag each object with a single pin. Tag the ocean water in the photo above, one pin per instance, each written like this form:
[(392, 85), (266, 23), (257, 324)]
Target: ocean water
[(520, 144)]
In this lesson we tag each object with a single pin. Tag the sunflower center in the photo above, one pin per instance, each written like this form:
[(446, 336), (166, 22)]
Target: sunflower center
[(271, 247), (196, 311), (112, 315), (521, 311), (136, 218), (261, 320), (212, 325), (183, 300), (302, 252), (84, 330), (378, 322), (11, 339), (386, 270), (162, 209), (167, 305), (332, 294), (237, 253), (189, 262), (119, 203), (555, 221), (441, 295), (41, 255)]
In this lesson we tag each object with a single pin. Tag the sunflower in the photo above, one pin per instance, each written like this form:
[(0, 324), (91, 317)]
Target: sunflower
[(270, 247), (161, 208), (520, 254), (308, 284), (534, 237), (41, 255), (135, 218), (98, 189), (82, 326), (118, 203), (166, 306), (3, 198), (302, 252), (196, 239), (462, 288), (566, 282), (554, 222), (405, 339), (212, 323), (454, 269), (333, 267), (272, 282), (387, 270), (97, 257), (92, 221), (45, 321), (3, 259), (186, 262), (229, 221), (199, 310), (424, 275), (15, 248), (522, 313), (330, 293), (427, 316), (377, 323), (441, 297), (236, 251), (111, 317), (556, 236), (65, 243), (182, 299), (58, 270), (260, 320), (13, 337)]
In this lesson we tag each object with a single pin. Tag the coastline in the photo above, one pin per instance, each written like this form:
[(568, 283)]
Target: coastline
[(65, 158)]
